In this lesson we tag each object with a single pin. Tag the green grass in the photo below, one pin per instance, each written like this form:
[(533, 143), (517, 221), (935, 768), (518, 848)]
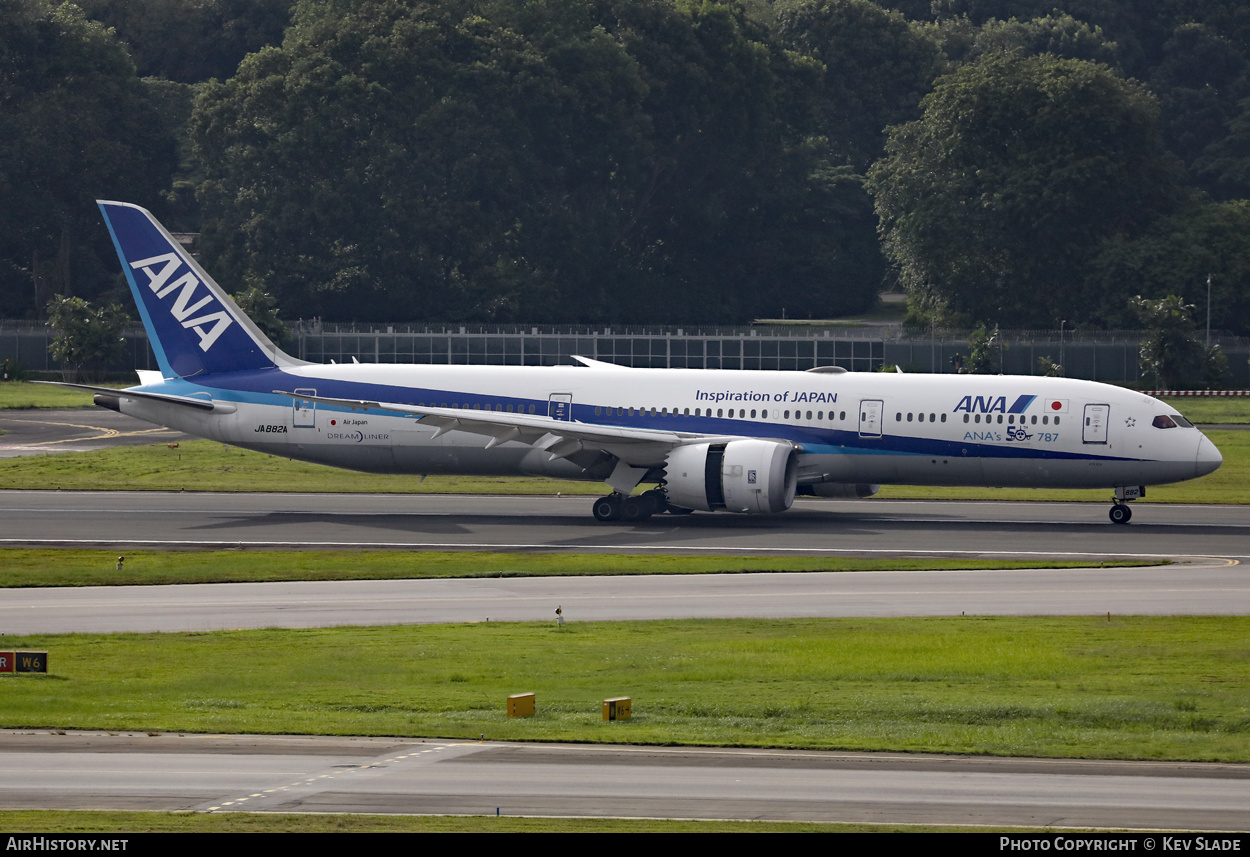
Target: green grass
[(1212, 410), (1131, 688), (23, 394), (88, 821), (207, 466), (54, 567)]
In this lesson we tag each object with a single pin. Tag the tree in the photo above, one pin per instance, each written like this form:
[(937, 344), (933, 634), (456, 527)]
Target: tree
[(262, 308), (1057, 33), (547, 160), (190, 41), (76, 125), (1176, 256), (1171, 350), (994, 203), (875, 69), (88, 338)]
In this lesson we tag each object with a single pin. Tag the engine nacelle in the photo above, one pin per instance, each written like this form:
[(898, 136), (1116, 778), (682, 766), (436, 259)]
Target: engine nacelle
[(756, 477)]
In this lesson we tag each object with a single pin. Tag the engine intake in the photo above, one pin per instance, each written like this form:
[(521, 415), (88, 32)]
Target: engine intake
[(754, 477)]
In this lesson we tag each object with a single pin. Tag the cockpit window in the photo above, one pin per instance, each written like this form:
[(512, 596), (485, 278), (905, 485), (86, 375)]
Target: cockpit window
[(1163, 421), (1181, 421)]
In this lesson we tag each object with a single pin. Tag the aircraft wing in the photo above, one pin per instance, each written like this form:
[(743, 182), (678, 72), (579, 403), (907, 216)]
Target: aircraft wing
[(637, 447)]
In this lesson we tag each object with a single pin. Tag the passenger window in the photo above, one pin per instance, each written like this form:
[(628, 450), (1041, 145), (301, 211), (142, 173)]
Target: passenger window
[(943, 417), (908, 417)]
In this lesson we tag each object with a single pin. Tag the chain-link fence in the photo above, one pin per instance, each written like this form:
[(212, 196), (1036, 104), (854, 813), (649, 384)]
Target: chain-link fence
[(1109, 356)]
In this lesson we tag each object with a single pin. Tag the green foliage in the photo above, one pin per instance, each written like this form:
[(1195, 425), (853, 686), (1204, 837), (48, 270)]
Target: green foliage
[(1176, 256), (1056, 33), (996, 200), (1049, 368), (1171, 350), (262, 308), (190, 41), (88, 338), (76, 125), (543, 160), (985, 352), (875, 69)]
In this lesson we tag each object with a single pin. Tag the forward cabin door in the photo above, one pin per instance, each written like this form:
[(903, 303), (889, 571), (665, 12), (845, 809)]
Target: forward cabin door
[(1095, 428)]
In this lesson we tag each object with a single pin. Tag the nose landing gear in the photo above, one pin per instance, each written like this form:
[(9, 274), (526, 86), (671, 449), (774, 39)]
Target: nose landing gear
[(1120, 512)]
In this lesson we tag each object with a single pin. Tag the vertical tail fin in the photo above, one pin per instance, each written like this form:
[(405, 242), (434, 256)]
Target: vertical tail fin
[(194, 326)]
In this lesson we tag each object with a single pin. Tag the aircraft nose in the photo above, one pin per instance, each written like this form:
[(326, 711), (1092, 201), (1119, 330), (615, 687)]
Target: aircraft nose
[(1208, 459)]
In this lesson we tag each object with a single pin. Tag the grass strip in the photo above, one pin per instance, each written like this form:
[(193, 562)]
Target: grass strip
[(1212, 410), (1129, 688), (53, 567), (207, 466), (21, 395)]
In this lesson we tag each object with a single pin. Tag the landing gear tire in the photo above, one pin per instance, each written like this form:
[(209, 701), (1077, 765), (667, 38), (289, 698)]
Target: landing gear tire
[(1120, 513), (607, 508), (637, 508)]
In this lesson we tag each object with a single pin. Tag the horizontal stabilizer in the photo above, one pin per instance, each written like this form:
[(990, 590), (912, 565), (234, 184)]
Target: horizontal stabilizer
[(188, 401)]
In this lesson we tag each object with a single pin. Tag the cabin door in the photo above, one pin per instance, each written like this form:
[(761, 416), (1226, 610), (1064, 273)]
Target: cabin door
[(1095, 428), (560, 406), (304, 413), (870, 417)]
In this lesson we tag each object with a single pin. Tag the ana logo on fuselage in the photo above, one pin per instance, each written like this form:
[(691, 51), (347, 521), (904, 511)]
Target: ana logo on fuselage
[(993, 404), (209, 326)]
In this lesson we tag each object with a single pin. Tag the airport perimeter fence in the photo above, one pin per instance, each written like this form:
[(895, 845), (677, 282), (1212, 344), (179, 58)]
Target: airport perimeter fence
[(1108, 356)]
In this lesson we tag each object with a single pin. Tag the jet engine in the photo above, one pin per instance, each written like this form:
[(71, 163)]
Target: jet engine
[(756, 477)]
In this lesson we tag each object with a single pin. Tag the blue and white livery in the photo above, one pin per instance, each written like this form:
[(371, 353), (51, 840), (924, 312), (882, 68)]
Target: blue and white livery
[(738, 441)]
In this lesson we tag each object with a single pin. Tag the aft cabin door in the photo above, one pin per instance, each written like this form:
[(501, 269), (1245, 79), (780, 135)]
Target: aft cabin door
[(870, 417), (1095, 428), (304, 414), (560, 406)]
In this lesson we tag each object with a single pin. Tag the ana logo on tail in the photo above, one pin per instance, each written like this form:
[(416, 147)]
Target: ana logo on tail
[(210, 325)]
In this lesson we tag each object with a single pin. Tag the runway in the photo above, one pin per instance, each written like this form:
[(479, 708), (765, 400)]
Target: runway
[(1198, 588), (228, 773), (386, 775), (471, 522)]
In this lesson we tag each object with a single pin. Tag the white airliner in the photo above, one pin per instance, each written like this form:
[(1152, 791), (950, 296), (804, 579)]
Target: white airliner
[(738, 441)]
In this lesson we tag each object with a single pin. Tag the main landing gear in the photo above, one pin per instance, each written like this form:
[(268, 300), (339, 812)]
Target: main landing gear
[(634, 507), (1120, 512)]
